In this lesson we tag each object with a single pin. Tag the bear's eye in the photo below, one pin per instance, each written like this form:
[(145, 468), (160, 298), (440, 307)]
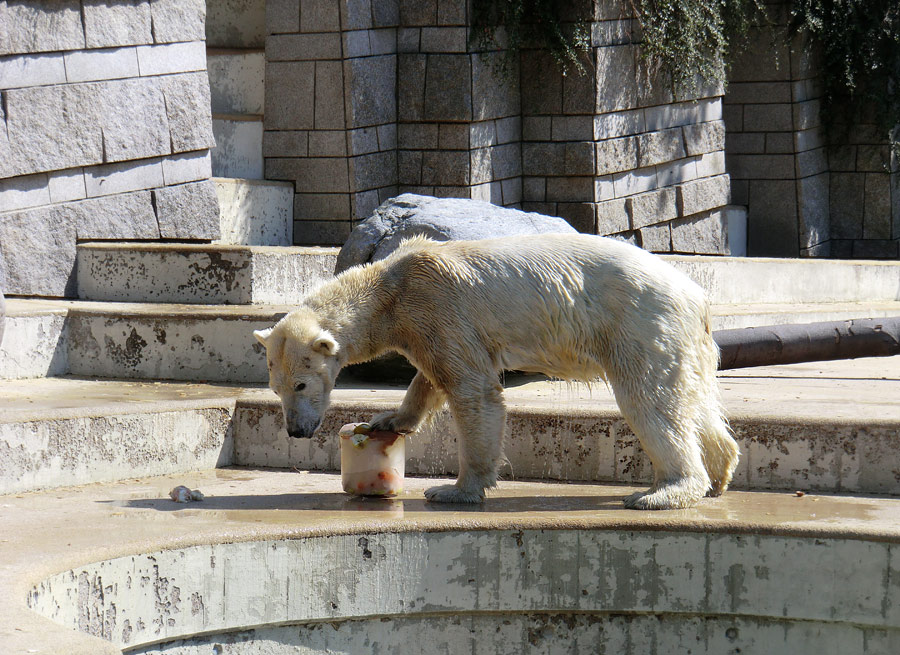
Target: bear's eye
[(300, 386)]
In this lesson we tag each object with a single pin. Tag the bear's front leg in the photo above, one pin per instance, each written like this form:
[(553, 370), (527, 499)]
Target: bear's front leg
[(421, 399), (480, 418)]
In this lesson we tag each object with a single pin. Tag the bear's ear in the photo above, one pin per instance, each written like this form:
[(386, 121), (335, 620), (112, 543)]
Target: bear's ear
[(325, 344), (262, 335)]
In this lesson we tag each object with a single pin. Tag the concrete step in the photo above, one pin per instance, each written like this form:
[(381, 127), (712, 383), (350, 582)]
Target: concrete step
[(213, 342), (238, 151), (92, 570), (200, 274), (236, 80), (255, 212), (830, 427)]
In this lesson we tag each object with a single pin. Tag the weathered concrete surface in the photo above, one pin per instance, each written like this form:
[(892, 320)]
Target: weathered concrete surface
[(442, 219), (2, 315), (35, 340), (201, 274), (761, 568), (255, 212)]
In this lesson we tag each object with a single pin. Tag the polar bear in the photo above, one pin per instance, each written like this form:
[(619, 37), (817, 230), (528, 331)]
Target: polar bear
[(572, 306)]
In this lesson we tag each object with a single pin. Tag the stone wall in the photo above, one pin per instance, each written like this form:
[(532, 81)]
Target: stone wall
[(803, 198), (425, 111), (105, 132), (617, 151)]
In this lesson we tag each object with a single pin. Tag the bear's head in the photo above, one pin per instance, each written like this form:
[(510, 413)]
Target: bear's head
[(304, 361)]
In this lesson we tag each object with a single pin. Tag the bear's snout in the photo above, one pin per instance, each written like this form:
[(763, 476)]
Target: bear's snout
[(301, 433)]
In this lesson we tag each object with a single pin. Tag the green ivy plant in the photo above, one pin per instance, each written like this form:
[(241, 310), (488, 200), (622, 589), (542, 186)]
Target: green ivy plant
[(859, 42)]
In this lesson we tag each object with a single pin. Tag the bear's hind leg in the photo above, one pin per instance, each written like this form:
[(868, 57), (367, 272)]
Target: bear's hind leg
[(720, 450), (673, 446), (480, 419)]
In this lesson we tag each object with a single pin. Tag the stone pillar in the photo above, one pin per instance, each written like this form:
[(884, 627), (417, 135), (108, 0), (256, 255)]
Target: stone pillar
[(617, 153), (330, 121), (105, 132), (459, 125)]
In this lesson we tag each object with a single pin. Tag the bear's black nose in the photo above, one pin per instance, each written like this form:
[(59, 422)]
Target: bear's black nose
[(299, 434)]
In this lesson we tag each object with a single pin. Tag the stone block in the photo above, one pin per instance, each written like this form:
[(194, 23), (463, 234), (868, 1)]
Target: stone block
[(543, 158), (451, 12), (703, 195), (895, 205), (187, 106), (112, 24), (455, 136), (813, 214), (387, 136), (238, 23), (357, 44), (612, 216), (579, 215), (873, 159), (443, 39), (418, 136), (333, 143), (511, 191), (329, 104), (652, 207), (701, 138), (614, 155), (446, 72), (51, 128), (572, 128), (283, 16), (122, 177), (313, 175), (506, 161), (409, 167), (24, 192), (541, 84), (623, 123), (188, 211), (37, 253), (19, 71), (768, 118), (758, 92), (536, 128), (290, 95), (703, 235), (238, 151), (733, 115), (811, 162), (636, 181), (121, 216), (408, 39), (445, 168), (659, 147), (679, 114), (411, 87), (40, 27), (374, 170), (178, 20), (847, 205), (772, 219), (676, 172), (147, 128), (656, 238), (780, 142), (372, 90), (320, 16), (106, 64), (761, 167), (877, 213), (307, 47), (745, 143), (286, 143), (187, 167), (494, 96), (356, 14), (66, 185), (875, 249), (712, 163), (418, 12), (579, 88), (617, 87), (386, 13), (326, 206), (509, 129), (842, 159), (321, 233), (807, 115), (809, 139), (480, 166), (534, 189), (580, 158), (612, 32), (237, 82)]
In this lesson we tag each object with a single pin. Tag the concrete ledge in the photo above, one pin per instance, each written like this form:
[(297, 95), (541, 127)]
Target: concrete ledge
[(255, 212), (201, 274), (771, 570)]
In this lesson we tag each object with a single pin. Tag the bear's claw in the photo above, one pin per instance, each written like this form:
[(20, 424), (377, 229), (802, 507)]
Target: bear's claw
[(450, 493)]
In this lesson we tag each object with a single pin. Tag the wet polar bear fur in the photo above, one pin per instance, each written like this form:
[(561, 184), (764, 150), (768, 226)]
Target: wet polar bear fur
[(575, 307)]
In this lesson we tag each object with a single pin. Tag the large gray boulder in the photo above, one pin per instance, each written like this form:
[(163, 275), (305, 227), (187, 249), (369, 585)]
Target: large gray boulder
[(441, 219)]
